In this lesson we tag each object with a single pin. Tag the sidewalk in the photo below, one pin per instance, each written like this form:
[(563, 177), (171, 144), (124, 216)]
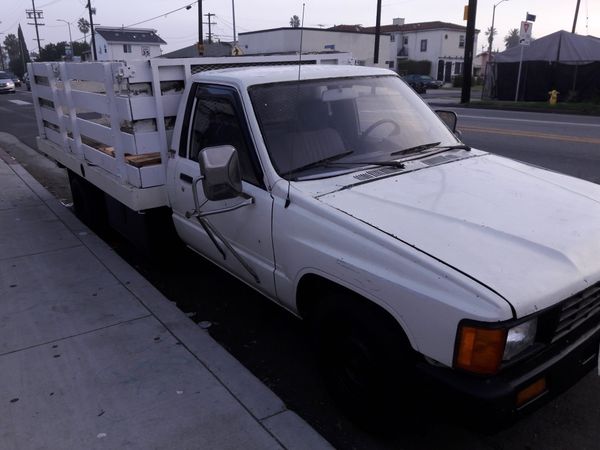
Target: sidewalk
[(92, 356)]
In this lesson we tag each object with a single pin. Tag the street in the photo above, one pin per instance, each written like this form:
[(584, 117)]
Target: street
[(274, 345)]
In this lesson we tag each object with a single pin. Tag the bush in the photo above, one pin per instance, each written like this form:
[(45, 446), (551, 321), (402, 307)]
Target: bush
[(457, 81), (409, 66)]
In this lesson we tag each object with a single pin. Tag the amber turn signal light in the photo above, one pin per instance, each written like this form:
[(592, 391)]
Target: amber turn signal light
[(480, 350), (532, 391)]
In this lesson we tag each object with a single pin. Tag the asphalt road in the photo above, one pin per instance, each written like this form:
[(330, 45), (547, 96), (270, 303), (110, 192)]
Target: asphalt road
[(273, 344)]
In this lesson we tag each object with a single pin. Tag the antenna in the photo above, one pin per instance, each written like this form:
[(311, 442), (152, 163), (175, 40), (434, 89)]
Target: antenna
[(301, 36), (287, 198)]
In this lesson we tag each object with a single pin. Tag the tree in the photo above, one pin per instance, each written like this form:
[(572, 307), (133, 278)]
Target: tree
[(53, 52), (80, 47), (84, 27), (295, 21), (13, 49), (490, 33), (512, 38)]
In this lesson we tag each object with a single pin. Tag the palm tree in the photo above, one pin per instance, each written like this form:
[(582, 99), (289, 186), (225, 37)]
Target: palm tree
[(512, 38), (84, 27), (295, 21)]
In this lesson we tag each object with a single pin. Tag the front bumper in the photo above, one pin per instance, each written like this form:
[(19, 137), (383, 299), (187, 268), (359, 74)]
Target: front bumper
[(10, 88), (561, 366)]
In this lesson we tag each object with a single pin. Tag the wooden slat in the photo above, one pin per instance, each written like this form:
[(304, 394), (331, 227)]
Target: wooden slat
[(149, 159), (38, 69), (89, 101), (49, 116), (45, 92), (89, 71)]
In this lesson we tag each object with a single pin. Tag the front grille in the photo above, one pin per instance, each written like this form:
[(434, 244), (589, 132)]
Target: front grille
[(577, 310)]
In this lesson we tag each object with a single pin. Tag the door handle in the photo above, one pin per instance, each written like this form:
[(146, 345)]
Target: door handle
[(185, 177)]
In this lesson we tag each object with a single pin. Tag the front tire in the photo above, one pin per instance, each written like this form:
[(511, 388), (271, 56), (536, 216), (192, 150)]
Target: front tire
[(366, 361)]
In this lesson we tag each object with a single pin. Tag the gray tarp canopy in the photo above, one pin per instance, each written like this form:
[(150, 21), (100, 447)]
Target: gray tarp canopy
[(562, 46)]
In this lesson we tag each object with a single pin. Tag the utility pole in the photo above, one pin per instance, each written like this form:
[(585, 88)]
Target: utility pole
[(468, 66), (233, 14), (91, 11), (576, 14), (377, 33), (35, 14), (200, 32), (209, 23)]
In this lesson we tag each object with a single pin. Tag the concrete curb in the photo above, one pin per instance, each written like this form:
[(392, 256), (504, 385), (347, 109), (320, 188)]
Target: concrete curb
[(284, 425)]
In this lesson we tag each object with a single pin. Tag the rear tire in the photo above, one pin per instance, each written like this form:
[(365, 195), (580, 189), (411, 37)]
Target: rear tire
[(88, 202)]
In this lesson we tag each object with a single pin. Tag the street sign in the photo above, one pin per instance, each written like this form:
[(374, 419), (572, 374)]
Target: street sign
[(525, 33)]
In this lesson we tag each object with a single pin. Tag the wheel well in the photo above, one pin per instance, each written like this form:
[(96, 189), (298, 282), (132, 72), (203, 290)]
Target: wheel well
[(315, 293)]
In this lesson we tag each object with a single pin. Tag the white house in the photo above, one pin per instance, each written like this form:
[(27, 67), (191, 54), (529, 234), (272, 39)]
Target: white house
[(441, 43), (117, 44), (316, 40)]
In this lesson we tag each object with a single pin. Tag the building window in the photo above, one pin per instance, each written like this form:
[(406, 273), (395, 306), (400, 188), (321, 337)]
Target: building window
[(423, 45), (105, 51), (461, 41), (458, 68), (406, 40), (126, 48), (392, 37)]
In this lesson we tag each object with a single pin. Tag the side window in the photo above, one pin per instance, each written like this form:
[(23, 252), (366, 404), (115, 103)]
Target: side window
[(217, 121)]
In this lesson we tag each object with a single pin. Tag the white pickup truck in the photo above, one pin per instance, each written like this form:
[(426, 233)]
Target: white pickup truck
[(335, 191)]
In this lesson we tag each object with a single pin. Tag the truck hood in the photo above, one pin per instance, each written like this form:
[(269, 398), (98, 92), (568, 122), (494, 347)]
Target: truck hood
[(530, 235)]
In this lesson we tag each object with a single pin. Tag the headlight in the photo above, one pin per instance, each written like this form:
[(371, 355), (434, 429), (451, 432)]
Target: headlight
[(519, 338), (481, 348)]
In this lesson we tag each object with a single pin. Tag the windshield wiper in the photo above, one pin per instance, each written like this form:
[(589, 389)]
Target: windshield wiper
[(415, 149), (397, 164), (318, 163), (456, 147), (419, 148)]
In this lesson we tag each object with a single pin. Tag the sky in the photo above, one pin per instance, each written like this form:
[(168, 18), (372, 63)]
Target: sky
[(179, 29)]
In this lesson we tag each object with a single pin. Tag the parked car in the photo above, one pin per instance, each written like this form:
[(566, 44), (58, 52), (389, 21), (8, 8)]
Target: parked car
[(15, 79), (431, 83), (415, 82), (6, 83)]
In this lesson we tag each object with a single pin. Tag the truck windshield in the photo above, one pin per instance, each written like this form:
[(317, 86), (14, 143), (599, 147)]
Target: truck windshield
[(343, 119)]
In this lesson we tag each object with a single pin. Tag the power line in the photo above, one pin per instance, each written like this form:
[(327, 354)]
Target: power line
[(188, 6)]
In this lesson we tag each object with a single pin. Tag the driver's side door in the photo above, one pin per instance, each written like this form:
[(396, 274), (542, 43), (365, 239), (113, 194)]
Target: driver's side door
[(216, 117)]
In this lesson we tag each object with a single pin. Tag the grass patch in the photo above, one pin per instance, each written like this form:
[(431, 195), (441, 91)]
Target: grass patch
[(592, 109)]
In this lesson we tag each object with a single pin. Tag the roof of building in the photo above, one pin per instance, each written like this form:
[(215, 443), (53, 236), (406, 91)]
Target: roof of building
[(419, 26), (129, 35), (385, 29), (337, 28), (191, 51)]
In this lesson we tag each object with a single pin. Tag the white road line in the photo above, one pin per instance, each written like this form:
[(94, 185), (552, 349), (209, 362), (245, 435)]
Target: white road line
[(551, 122), (20, 102)]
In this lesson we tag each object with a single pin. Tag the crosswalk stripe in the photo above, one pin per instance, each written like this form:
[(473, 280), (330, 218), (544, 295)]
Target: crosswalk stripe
[(20, 102)]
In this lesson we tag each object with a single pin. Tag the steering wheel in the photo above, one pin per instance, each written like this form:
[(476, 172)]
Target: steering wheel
[(377, 124)]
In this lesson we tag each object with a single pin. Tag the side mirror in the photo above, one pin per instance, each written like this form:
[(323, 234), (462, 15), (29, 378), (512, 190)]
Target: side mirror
[(220, 168), (449, 118)]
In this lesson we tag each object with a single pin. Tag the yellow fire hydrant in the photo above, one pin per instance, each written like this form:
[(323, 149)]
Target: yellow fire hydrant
[(553, 96)]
